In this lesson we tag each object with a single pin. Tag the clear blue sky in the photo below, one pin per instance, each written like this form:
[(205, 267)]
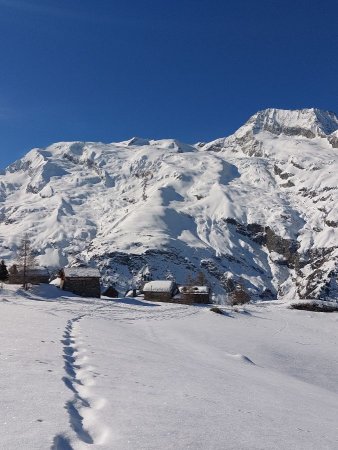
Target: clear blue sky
[(107, 70)]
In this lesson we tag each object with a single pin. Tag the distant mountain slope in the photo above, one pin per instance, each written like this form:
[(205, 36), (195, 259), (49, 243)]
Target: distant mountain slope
[(259, 206)]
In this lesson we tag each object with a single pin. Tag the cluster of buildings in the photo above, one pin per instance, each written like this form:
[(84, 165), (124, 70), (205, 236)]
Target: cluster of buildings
[(85, 281), (168, 291)]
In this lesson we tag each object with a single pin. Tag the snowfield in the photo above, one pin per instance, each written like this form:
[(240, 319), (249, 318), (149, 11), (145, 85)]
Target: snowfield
[(122, 374)]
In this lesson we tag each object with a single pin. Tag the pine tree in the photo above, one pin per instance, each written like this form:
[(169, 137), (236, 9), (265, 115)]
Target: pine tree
[(190, 280), (201, 279), (3, 272)]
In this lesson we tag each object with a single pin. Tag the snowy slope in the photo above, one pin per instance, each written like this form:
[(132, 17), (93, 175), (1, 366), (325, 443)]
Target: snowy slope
[(136, 375), (258, 206)]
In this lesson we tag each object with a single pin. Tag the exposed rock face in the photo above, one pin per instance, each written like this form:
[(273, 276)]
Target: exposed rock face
[(265, 236), (308, 123), (333, 139), (257, 209), (319, 283)]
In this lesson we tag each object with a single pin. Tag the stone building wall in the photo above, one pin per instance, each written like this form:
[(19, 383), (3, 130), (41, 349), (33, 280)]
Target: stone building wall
[(86, 287), (191, 298), (158, 296), (17, 278)]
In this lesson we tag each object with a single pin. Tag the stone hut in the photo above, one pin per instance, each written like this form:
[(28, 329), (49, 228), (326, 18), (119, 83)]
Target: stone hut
[(160, 290), (34, 275), (83, 281), (194, 294)]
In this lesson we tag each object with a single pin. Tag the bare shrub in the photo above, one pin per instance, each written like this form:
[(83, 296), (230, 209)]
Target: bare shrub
[(239, 296)]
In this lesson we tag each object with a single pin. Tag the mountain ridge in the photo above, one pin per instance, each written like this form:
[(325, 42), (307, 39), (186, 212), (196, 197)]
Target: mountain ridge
[(257, 206)]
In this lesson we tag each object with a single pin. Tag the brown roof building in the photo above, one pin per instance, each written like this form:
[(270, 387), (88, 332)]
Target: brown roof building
[(83, 281), (194, 294), (34, 275), (159, 290)]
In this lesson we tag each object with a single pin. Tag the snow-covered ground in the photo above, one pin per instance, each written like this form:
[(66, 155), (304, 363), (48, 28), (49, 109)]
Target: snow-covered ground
[(128, 374)]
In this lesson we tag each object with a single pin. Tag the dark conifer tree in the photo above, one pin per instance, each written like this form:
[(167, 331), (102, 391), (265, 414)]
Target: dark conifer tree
[(3, 272)]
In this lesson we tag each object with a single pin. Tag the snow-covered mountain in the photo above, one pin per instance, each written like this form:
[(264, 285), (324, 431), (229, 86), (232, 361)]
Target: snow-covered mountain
[(259, 206)]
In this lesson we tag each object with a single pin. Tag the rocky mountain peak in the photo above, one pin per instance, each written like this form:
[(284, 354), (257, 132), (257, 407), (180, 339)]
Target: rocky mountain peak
[(302, 122), (253, 137)]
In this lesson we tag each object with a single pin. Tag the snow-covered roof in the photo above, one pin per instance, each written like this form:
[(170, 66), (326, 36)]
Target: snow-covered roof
[(159, 286), (81, 272), (195, 289)]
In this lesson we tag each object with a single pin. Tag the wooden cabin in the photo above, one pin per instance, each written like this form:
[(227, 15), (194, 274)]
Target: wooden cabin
[(160, 290), (34, 275), (194, 294), (83, 281)]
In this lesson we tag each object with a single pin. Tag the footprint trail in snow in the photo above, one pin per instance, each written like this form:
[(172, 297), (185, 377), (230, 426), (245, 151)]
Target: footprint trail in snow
[(83, 406)]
